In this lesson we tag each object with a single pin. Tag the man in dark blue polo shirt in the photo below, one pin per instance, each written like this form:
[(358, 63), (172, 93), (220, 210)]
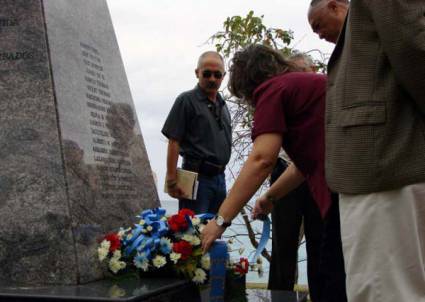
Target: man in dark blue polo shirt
[(198, 128)]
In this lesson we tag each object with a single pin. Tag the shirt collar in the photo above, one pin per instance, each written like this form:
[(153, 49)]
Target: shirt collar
[(201, 95)]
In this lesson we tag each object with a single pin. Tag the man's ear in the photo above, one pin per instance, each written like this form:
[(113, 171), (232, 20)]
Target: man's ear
[(196, 72)]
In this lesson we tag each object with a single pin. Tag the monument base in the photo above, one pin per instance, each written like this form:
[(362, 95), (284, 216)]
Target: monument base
[(129, 289), (264, 295)]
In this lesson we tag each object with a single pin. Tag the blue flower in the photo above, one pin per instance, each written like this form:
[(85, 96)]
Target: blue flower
[(140, 257), (141, 261), (165, 246)]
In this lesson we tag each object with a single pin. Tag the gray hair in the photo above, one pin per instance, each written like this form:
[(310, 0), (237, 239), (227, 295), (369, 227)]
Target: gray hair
[(209, 53), (304, 57), (315, 2)]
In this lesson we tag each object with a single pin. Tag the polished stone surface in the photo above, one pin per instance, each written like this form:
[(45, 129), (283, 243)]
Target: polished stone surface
[(134, 289), (262, 295), (73, 161), (152, 290), (259, 295)]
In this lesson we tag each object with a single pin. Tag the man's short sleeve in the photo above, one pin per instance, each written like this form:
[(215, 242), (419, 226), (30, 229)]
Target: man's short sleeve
[(269, 114), (176, 123)]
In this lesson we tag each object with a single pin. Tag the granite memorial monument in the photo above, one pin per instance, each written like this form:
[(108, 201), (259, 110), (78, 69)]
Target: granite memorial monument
[(72, 157)]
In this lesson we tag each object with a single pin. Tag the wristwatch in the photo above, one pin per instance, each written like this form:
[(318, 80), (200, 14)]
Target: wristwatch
[(221, 222)]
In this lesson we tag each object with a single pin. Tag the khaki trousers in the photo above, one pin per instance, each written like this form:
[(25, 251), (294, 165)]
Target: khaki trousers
[(383, 240)]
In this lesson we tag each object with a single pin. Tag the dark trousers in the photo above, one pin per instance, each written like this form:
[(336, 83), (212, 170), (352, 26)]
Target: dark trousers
[(325, 267), (287, 217), (332, 260)]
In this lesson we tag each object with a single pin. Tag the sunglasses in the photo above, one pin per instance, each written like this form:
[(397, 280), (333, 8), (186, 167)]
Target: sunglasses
[(208, 73)]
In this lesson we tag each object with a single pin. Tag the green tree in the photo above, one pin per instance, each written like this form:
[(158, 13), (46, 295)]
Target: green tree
[(240, 32)]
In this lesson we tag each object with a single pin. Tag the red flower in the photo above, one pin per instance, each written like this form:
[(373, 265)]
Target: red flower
[(184, 248), (242, 267), (188, 212), (114, 240), (178, 223)]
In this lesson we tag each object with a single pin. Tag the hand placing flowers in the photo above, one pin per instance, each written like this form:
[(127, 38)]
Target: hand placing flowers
[(209, 234)]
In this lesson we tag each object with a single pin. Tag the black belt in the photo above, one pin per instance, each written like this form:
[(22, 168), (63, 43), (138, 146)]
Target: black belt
[(202, 167)]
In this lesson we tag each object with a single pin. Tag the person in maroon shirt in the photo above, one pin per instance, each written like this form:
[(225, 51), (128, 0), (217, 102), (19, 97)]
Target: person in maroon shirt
[(296, 211), (289, 113)]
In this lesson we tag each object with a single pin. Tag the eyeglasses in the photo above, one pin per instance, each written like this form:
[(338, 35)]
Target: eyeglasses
[(208, 73)]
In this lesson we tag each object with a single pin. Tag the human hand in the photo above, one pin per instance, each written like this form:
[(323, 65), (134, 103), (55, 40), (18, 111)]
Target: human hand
[(176, 192), (263, 206), (209, 234), (173, 188)]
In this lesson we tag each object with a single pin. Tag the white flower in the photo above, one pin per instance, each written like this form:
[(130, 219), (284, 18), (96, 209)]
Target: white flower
[(206, 261), (102, 253), (115, 265), (116, 255), (143, 265), (192, 239), (175, 257), (163, 218), (142, 222), (120, 234), (105, 244), (196, 240), (159, 261), (196, 221), (149, 228), (200, 276)]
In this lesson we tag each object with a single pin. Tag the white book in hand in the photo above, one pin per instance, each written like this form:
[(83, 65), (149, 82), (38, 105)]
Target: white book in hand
[(187, 181)]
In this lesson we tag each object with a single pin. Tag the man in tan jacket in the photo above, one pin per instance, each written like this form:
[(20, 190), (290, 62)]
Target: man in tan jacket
[(375, 148)]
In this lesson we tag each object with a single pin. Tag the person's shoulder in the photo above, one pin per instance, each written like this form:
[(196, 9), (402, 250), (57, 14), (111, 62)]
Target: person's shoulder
[(187, 96), (303, 75), (292, 77), (304, 79), (271, 83), (187, 93)]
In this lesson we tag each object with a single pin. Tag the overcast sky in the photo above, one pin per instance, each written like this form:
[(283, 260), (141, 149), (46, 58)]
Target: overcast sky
[(160, 41)]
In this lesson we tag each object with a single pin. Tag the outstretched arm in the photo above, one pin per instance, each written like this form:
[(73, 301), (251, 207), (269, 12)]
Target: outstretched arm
[(258, 166)]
